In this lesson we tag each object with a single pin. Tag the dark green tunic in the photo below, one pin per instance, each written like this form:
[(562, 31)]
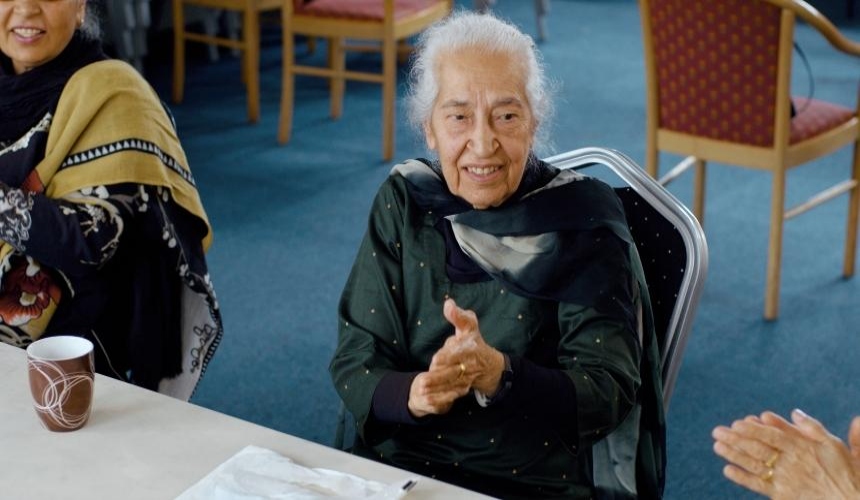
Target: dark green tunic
[(391, 318)]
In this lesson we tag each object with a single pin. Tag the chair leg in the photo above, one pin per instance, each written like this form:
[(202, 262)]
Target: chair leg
[(699, 190), (285, 122), (774, 247), (232, 21), (404, 50), (483, 6), (243, 51), (389, 89), (178, 51), (251, 27), (652, 165), (541, 10), (853, 207), (337, 83), (210, 27)]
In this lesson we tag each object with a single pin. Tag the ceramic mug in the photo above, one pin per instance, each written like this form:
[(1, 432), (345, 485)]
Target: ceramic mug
[(61, 374)]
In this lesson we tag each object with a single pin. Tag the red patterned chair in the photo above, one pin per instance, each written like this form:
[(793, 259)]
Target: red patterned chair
[(384, 22), (718, 77)]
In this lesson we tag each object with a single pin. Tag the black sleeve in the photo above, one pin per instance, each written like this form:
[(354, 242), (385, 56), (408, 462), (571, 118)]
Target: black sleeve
[(548, 393), (391, 398), (73, 235)]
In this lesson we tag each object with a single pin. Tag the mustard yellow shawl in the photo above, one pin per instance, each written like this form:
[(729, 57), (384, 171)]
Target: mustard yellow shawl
[(110, 127)]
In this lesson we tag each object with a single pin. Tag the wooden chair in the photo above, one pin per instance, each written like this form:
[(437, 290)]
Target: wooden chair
[(386, 22), (248, 43), (718, 77)]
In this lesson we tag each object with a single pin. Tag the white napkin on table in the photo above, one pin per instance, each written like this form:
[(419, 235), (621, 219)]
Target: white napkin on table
[(260, 474)]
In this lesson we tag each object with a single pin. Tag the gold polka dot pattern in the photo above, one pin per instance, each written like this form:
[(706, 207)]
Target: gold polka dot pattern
[(715, 79)]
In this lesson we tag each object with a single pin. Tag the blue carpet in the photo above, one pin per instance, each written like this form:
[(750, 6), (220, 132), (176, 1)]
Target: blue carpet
[(288, 220)]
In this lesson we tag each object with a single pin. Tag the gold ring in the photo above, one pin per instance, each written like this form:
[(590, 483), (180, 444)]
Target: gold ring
[(768, 475), (462, 371), (772, 460)]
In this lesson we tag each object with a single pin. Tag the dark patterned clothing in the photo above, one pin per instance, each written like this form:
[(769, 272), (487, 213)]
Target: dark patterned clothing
[(563, 299), (102, 232)]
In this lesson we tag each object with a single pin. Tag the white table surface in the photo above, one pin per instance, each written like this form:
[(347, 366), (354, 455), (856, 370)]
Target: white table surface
[(141, 444)]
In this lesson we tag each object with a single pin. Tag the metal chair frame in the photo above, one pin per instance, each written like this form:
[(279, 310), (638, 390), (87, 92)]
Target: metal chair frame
[(674, 340)]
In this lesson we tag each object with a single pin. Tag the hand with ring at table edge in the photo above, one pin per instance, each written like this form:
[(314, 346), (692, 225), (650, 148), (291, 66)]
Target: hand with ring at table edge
[(464, 362), (790, 460)]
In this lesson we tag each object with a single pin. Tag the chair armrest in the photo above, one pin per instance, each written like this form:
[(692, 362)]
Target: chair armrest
[(816, 19)]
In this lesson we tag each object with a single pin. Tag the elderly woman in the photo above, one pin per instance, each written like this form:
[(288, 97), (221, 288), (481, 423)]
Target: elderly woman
[(787, 460), (102, 232), (494, 331)]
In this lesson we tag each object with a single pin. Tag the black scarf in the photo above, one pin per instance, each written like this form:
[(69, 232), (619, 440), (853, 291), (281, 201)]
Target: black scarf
[(26, 98), (458, 266), (591, 263)]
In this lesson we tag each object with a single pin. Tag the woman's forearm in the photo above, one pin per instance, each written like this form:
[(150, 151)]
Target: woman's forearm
[(71, 237)]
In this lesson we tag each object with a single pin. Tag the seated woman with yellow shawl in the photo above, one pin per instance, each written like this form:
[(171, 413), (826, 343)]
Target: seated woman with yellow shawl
[(495, 330), (102, 232)]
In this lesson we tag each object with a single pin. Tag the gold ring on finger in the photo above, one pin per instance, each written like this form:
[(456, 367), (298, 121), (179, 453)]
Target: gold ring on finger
[(462, 371), (772, 460), (768, 474)]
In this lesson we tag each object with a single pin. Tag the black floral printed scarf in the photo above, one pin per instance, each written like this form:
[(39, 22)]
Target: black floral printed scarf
[(58, 136)]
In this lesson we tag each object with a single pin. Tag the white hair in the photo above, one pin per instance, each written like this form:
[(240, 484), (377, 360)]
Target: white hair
[(466, 29)]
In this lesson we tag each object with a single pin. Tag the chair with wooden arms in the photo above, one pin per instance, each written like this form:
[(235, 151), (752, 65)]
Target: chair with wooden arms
[(248, 43), (388, 23), (718, 86)]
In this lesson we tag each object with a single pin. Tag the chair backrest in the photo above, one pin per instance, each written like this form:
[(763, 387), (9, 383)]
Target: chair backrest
[(671, 245), (713, 67)]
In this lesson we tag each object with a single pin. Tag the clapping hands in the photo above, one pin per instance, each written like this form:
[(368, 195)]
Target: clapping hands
[(790, 460), (464, 362)]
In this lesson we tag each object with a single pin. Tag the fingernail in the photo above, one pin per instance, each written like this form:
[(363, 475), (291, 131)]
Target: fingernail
[(799, 413)]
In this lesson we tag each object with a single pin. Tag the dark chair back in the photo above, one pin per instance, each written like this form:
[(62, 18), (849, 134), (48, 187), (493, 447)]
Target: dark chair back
[(671, 246), (663, 254)]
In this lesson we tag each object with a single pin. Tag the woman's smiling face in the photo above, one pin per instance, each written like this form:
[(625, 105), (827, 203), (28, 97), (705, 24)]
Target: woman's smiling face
[(36, 31), (481, 125)]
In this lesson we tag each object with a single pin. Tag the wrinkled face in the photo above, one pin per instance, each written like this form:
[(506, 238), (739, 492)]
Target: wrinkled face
[(481, 125), (36, 31)]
